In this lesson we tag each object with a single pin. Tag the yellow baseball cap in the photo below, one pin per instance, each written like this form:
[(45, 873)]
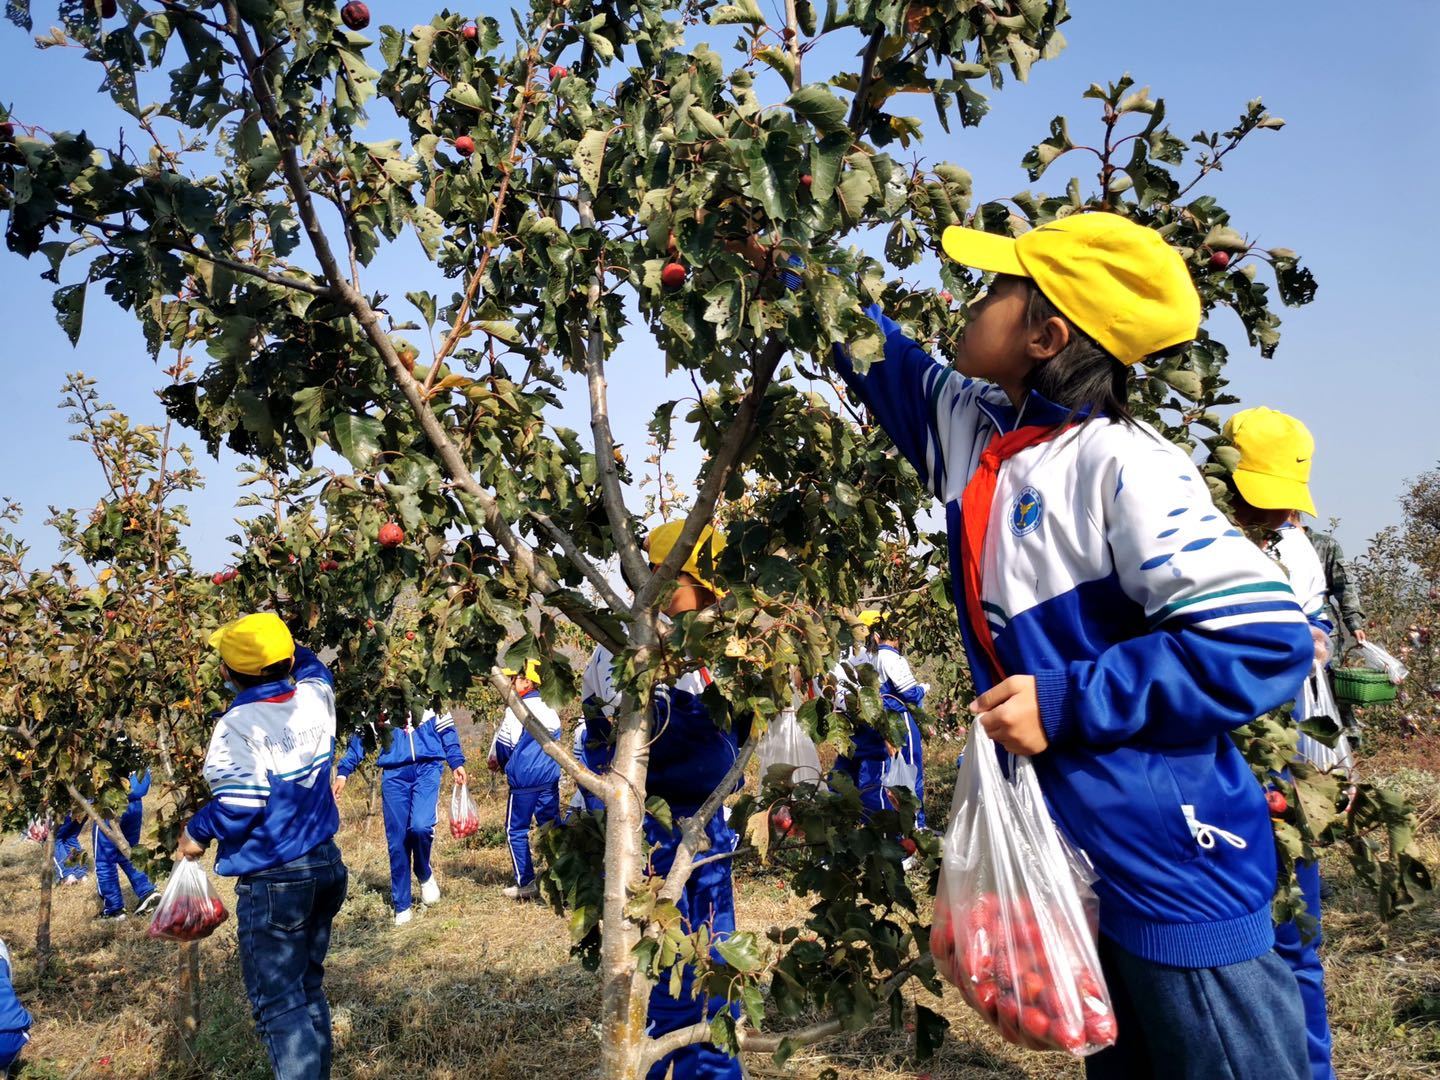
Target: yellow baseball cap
[(662, 540), (870, 616), (1276, 452), (252, 643), (1119, 282), (532, 672)]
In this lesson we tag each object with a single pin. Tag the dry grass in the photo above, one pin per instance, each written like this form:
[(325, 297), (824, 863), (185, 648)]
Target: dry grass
[(479, 986)]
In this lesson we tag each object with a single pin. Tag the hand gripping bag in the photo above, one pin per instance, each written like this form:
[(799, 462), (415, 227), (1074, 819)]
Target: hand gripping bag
[(1015, 912), (189, 908)]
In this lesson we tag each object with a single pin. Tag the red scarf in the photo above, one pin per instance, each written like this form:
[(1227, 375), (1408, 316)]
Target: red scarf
[(976, 505)]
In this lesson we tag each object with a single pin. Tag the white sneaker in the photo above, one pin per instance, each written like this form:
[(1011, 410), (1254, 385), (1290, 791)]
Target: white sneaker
[(430, 890), (403, 917), (522, 892), (909, 863)]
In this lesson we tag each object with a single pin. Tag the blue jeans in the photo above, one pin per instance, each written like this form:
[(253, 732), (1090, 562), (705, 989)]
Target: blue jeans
[(11, 1043), (541, 804), (408, 794), (1303, 957), (1238, 1022), (109, 862), (284, 916), (709, 898)]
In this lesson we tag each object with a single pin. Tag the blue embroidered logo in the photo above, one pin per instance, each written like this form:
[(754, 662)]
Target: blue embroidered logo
[(1026, 511)]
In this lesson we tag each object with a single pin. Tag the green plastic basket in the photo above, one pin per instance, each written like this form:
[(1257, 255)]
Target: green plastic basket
[(1362, 686)]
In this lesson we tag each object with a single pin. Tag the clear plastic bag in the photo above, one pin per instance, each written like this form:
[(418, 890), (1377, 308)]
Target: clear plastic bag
[(1377, 659), (38, 831), (899, 773), (1015, 912), (464, 819), (189, 908), (785, 743), (1317, 700)]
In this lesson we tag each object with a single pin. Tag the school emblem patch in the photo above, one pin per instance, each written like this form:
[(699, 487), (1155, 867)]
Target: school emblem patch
[(1026, 511)]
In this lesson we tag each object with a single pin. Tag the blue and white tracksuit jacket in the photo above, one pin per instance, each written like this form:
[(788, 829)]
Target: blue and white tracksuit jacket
[(533, 777), (689, 757), (1296, 555), (411, 769), (14, 1020), (1152, 629), (869, 758), (108, 860), (268, 768), (67, 846)]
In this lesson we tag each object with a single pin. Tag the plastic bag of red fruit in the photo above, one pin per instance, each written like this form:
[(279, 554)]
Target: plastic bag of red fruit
[(1014, 912), (464, 820), (189, 909)]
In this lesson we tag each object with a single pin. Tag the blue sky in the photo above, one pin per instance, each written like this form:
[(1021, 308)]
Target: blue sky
[(1343, 184)]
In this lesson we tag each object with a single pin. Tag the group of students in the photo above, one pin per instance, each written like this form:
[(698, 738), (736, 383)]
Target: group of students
[(1117, 627)]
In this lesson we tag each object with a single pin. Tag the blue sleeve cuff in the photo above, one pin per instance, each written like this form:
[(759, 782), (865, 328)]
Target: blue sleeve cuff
[(1057, 711), (199, 826)]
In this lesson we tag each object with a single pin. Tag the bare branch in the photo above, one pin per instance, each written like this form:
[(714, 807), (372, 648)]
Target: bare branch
[(113, 834), (861, 104), (581, 562), (551, 745), (632, 563), (732, 446)]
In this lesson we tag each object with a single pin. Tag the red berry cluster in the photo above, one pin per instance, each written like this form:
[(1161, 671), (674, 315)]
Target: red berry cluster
[(188, 918), (1020, 973)]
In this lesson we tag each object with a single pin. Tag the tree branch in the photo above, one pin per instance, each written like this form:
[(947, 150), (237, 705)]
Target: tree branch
[(732, 446), (445, 448), (541, 734), (83, 803), (861, 104), (586, 566), (632, 563)]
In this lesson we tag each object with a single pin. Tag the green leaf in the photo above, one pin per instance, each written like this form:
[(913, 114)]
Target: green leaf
[(816, 103), (357, 438), (589, 156), (69, 301), (930, 1029), (746, 11), (741, 951)]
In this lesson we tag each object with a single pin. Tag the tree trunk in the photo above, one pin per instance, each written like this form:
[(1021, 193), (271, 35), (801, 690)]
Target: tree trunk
[(47, 891), (187, 1005), (623, 998)]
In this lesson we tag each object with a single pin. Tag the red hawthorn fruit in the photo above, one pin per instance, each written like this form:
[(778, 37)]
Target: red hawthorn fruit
[(672, 275), (1008, 1009), (1100, 1030), (470, 32), (1031, 986), (1035, 1024), (112, 615), (807, 181), (1068, 1034), (1219, 260), (464, 146), (391, 535), (947, 296), (326, 565), (908, 845), (1277, 802), (987, 996), (782, 820), (558, 71), (355, 15), (409, 635)]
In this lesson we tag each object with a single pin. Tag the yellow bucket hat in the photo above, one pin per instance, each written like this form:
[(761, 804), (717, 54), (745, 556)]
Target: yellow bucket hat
[(1276, 452), (532, 672), (252, 643), (662, 540), (1119, 282)]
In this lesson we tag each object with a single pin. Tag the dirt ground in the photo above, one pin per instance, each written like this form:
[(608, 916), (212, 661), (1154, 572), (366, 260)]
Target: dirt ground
[(481, 986)]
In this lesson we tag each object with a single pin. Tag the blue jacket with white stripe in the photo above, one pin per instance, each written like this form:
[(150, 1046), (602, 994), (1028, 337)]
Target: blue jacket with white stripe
[(525, 762), (268, 768), (1152, 629), (14, 1019), (433, 739)]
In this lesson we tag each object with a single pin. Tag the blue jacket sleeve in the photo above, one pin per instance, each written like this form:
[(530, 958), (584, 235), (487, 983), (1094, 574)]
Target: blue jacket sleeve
[(139, 785), (220, 819), (1225, 641), (354, 754), (928, 409), (309, 666), (454, 755)]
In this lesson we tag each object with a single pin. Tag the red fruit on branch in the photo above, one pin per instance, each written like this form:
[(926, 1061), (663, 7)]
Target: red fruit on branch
[(355, 15), (1219, 260), (112, 615), (464, 146), (947, 296), (807, 181), (1277, 802), (470, 32), (672, 275), (558, 71), (326, 565), (221, 577), (391, 535), (409, 635)]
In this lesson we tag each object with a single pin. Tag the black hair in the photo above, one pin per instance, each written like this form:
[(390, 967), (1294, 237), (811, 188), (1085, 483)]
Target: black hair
[(277, 670), (1081, 377)]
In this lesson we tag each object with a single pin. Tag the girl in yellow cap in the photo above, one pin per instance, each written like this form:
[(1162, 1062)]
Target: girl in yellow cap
[(1117, 626), (1271, 485)]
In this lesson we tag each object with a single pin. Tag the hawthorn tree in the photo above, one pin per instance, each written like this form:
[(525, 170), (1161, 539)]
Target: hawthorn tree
[(600, 174)]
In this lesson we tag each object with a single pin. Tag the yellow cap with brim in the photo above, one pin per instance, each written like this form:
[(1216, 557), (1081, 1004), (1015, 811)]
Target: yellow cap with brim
[(1119, 282), (1276, 452), (662, 540), (870, 616), (252, 643), (532, 672)]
